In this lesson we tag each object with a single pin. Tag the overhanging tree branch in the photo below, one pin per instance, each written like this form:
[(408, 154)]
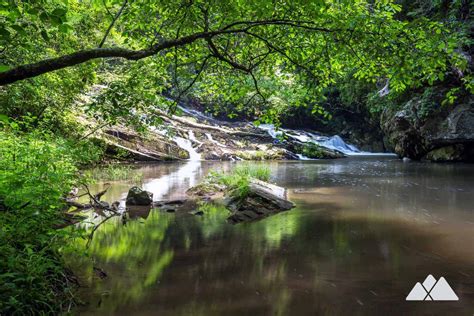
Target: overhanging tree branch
[(35, 69)]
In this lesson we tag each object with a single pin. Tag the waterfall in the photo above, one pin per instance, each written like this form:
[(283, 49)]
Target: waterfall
[(193, 137), (187, 145), (182, 143), (196, 113), (335, 142), (209, 136), (302, 157), (189, 139), (270, 128)]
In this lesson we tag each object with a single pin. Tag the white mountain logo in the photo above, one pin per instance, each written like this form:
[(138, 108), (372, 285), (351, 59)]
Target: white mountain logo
[(432, 290)]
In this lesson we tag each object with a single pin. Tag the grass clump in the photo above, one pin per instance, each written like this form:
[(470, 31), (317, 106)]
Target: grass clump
[(115, 172), (238, 180)]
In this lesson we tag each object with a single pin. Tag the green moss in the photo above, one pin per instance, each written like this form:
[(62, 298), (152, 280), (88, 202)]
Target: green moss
[(312, 150)]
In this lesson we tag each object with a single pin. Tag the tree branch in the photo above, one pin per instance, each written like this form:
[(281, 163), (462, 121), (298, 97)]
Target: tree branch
[(115, 18), (35, 69), (218, 55), (189, 86)]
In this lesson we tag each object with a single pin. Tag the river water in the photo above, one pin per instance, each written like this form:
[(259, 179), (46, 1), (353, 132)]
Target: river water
[(363, 232)]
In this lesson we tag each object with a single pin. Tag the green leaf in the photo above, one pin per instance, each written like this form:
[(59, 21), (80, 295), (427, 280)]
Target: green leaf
[(4, 118), (65, 28), (59, 12), (19, 29), (4, 33), (33, 11), (4, 68), (45, 35)]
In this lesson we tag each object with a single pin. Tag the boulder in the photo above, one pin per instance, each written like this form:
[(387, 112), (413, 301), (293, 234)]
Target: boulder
[(424, 128), (137, 196), (263, 199), (457, 152)]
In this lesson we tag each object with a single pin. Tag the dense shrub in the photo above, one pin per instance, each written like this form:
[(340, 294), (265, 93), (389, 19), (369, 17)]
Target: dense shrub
[(36, 171)]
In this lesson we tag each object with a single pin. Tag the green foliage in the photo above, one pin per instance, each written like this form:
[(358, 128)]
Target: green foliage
[(36, 171), (114, 172), (279, 65), (346, 47), (238, 180), (35, 168), (428, 103), (312, 150)]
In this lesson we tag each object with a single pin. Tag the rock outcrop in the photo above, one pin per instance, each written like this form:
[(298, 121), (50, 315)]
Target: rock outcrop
[(195, 136), (137, 196), (263, 199), (150, 147), (423, 128)]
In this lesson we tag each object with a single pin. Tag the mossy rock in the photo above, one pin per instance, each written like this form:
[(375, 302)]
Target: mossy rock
[(205, 189), (315, 151), (137, 196), (447, 153)]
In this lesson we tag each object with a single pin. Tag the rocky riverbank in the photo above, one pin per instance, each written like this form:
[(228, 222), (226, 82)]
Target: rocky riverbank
[(194, 136)]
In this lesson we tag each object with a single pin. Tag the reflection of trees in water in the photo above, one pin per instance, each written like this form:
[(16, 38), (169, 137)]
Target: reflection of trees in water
[(278, 265), (132, 255), (273, 265)]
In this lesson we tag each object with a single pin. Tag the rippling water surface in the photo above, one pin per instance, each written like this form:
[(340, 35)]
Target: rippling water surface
[(363, 232)]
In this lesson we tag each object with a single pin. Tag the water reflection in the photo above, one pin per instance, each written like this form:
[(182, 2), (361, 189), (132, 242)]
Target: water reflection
[(364, 231), (132, 255)]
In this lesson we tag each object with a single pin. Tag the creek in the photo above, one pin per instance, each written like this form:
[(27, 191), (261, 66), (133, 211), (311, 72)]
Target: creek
[(364, 231)]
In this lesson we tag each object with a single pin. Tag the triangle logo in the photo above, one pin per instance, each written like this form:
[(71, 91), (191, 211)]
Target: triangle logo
[(417, 293), (443, 292), (432, 290)]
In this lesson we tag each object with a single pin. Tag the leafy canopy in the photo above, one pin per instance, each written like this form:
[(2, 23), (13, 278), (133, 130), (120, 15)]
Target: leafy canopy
[(225, 50)]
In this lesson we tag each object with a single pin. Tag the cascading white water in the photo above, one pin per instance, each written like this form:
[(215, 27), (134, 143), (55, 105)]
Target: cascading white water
[(334, 142), (302, 157), (183, 143), (187, 145), (193, 137), (270, 128), (209, 136)]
